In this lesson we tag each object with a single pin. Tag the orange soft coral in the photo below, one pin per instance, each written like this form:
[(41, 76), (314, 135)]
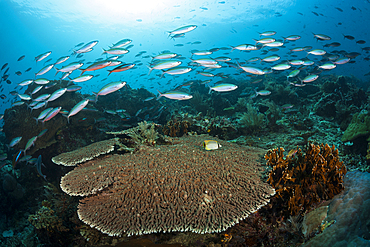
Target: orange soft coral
[(302, 180)]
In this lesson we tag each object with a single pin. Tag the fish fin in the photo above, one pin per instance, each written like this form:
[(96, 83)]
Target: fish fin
[(160, 95), (150, 70)]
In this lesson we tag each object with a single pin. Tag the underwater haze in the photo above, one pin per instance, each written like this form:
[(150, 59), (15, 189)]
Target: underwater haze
[(31, 28)]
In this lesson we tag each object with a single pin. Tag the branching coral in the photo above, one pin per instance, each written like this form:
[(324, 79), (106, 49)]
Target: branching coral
[(302, 180)]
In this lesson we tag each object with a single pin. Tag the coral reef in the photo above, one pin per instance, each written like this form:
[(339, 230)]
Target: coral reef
[(178, 187), (303, 180)]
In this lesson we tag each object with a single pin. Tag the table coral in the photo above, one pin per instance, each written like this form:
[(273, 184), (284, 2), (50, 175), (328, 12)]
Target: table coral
[(167, 188)]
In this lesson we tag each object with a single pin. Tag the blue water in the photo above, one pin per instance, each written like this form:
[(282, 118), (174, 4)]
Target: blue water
[(30, 29)]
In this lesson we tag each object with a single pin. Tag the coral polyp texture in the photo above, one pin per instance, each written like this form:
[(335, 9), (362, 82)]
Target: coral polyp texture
[(86, 153), (302, 180), (166, 188)]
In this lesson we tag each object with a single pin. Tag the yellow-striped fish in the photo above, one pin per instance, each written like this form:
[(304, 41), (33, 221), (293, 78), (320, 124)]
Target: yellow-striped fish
[(211, 145)]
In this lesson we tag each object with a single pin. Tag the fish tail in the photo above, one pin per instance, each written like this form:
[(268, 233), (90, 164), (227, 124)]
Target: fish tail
[(56, 72), (37, 121), (150, 70), (104, 51), (160, 95), (162, 76), (210, 89), (232, 48), (96, 97)]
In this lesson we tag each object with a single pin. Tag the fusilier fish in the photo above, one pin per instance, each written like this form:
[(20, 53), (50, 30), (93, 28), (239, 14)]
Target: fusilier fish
[(82, 78), (223, 87), (29, 144), (110, 88), (164, 65), (86, 48), (25, 82), (43, 114), (61, 60), (58, 93), (42, 56), (77, 108), (51, 114), (122, 43), (15, 141), (177, 71), (41, 81), (70, 67), (176, 95), (44, 70), (115, 51), (184, 29)]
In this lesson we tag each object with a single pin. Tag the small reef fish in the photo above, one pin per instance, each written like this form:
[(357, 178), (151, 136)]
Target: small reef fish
[(42, 133), (181, 30), (38, 167), (168, 64), (321, 36), (37, 89), (69, 68), (96, 66), (122, 43), (223, 87), (58, 93), (167, 55), (43, 114), (52, 114), (29, 144), (252, 70), (82, 78), (310, 78), (122, 68), (41, 81), (15, 141), (61, 60), (16, 158), (44, 70), (176, 71), (115, 51), (86, 48), (42, 56), (77, 108), (176, 95), (21, 58), (211, 145), (25, 82), (261, 92), (110, 88), (245, 47)]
